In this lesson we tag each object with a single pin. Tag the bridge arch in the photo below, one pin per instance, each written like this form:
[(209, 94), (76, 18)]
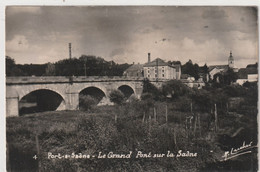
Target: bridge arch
[(41, 100), (27, 90), (126, 90), (96, 94)]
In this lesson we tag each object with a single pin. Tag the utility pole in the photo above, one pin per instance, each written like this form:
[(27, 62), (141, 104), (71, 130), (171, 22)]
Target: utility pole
[(85, 67), (157, 71), (70, 50)]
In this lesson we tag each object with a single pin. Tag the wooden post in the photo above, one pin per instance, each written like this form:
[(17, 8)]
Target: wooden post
[(195, 125), (227, 106), (38, 153), (199, 124), (149, 129), (116, 118), (186, 122), (143, 117), (166, 114), (216, 119), (174, 136), (154, 113)]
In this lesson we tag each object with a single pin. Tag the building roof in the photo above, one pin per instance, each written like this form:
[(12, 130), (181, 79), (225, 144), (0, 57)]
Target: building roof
[(244, 72), (225, 67), (252, 65), (134, 67), (157, 62)]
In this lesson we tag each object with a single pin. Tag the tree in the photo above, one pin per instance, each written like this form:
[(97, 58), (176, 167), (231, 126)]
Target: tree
[(191, 69), (226, 78), (117, 97), (147, 102), (148, 87), (9, 65), (230, 76), (11, 68), (50, 69), (174, 89)]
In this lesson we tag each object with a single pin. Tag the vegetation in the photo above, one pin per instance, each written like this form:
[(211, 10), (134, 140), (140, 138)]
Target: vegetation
[(191, 69), (118, 98), (173, 118), (87, 102), (91, 65)]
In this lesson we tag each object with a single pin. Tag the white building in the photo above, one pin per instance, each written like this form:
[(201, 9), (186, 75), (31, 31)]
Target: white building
[(158, 69), (248, 74)]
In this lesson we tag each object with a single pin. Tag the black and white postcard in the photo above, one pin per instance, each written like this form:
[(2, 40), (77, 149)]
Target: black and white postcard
[(131, 88)]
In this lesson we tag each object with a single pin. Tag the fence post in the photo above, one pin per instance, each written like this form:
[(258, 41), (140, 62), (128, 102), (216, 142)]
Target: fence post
[(191, 107), (216, 119), (154, 111), (166, 114), (195, 125), (143, 117), (38, 152), (199, 124)]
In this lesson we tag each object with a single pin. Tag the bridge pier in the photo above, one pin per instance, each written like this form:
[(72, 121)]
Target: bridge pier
[(72, 101), (12, 103)]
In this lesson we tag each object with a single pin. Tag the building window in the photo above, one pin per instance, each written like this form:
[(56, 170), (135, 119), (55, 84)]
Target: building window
[(163, 75), (162, 71), (148, 71), (155, 75), (148, 76)]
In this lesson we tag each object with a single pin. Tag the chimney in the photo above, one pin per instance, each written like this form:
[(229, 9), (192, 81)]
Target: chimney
[(149, 57)]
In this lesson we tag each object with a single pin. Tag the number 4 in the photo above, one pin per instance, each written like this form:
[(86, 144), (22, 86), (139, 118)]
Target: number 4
[(35, 157)]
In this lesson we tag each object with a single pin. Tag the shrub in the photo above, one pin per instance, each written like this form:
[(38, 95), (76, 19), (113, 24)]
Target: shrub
[(182, 104), (148, 87), (86, 102), (234, 90), (117, 97), (174, 89)]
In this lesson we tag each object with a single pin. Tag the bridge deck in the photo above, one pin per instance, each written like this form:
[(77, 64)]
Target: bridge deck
[(74, 79), (79, 79)]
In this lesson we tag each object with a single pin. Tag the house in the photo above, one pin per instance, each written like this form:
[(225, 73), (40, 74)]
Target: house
[(213, 70), (159, 69), (135, 70), (248, 74)]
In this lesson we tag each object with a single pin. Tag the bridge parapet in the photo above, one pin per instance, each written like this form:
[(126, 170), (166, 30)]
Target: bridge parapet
[(72, 79), (67, 79)]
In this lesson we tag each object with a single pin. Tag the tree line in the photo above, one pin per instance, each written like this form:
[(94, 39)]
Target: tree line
[(84, 65), (87, 65)]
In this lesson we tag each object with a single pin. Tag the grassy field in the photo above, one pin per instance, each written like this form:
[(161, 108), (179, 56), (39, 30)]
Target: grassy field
[(89, 133)]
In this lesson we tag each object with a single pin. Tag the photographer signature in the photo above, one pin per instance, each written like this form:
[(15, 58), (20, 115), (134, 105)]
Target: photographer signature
[(244, 149)]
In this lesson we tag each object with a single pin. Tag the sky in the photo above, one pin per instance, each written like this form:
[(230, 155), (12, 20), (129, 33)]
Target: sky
[(125, 34)]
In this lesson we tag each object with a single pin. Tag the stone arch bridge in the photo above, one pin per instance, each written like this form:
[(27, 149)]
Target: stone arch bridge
[(68, 88)]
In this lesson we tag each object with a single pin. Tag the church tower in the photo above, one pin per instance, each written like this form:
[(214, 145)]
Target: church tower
[(231, 60)]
